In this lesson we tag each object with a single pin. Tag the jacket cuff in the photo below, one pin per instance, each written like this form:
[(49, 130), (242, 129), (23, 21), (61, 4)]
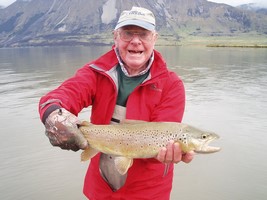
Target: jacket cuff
[(48, 111)]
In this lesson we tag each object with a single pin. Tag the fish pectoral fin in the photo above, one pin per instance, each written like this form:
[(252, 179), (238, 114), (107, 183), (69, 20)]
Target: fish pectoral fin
[(122, 164), (88, 153)]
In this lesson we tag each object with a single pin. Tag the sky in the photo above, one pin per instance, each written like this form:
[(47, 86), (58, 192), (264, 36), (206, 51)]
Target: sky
[(239, 2), (229, 2)]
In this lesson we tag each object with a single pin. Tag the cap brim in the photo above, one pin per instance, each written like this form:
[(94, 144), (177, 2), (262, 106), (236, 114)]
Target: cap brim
[(139, 23)]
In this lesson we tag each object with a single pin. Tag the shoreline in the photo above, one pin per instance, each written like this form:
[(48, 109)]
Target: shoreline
[(241, 41), (237, 46)]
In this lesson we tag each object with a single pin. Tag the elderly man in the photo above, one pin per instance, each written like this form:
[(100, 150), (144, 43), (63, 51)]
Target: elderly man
[(131, 81)]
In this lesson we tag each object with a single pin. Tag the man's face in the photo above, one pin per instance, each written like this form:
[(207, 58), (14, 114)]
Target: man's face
[(135, 45)]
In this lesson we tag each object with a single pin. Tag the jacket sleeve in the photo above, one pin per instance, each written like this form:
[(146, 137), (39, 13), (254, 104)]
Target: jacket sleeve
[(74, 94), (172, 104)]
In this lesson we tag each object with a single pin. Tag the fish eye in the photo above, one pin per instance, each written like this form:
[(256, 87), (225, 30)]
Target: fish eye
[(204, 136)]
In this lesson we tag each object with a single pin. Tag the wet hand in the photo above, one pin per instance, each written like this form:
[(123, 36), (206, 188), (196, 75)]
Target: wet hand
[(173, 154), (62, 131)]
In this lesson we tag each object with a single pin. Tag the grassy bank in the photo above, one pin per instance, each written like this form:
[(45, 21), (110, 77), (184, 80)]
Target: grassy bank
[(237, 45), (241, 41)]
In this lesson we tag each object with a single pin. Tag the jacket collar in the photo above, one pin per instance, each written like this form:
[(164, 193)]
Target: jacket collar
[(150, 61), (109, 60)]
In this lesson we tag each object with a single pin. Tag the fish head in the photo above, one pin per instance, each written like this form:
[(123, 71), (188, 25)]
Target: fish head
[(199, 140)]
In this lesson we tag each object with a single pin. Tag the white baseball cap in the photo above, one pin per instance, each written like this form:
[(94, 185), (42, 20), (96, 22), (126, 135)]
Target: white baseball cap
[(137, 16)]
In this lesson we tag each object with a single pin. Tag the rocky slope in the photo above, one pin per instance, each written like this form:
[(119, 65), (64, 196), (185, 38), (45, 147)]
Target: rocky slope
[(87, 22)]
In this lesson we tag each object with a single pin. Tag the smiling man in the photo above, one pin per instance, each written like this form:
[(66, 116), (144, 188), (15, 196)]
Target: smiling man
[(135, 46), (131, 81), (135, 37)]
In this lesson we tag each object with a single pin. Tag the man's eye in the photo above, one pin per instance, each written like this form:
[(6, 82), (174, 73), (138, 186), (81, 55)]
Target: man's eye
[(143, 34), (127, 33)]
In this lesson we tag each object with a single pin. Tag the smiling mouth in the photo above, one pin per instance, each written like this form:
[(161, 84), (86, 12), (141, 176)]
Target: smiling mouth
[(135, 52)]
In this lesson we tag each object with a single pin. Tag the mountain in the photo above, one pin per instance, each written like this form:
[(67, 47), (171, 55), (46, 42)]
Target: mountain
[(87, 22), (258, 8)]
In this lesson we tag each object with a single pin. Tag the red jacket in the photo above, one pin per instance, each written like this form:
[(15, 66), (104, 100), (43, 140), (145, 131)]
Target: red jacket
[(160, 98)]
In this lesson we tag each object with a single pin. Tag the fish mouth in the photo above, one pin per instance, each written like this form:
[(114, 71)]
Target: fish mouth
[(205, 148)]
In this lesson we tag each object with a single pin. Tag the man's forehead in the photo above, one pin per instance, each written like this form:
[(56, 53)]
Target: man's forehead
[(134, 28)]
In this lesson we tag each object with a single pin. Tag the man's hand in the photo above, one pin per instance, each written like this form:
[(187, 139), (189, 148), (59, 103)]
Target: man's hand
[(62, 130), (173, 154)]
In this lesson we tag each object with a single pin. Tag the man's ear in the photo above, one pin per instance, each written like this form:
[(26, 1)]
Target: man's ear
[(156, 35), (115, 37), (115, 34)]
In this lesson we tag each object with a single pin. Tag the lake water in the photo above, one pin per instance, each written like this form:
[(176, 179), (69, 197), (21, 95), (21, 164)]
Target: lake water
[(226, 93)]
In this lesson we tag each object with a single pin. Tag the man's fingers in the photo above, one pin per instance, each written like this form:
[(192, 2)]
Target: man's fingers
[(173, 154), (161, 155), (177, 155), (188, 157), (80, 141)]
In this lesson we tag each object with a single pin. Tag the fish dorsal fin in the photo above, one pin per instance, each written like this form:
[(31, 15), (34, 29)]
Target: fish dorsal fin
[(122, 164), (85, 123), (88, 153), (131, 121)]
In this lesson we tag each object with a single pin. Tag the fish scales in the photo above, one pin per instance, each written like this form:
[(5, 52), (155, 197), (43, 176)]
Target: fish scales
[(144, 139), (136, 139), (133, 140)]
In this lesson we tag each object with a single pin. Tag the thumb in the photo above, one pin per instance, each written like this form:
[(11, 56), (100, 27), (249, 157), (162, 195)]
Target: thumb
[(80, 141)]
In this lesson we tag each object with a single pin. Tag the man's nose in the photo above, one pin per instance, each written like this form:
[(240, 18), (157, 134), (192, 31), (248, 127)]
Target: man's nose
[(136, 38)]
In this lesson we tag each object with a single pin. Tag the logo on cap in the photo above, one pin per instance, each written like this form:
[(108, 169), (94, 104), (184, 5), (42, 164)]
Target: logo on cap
[(137, 16)]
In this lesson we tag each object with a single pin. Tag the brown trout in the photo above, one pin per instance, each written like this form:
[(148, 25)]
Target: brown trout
[(138, 139)]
